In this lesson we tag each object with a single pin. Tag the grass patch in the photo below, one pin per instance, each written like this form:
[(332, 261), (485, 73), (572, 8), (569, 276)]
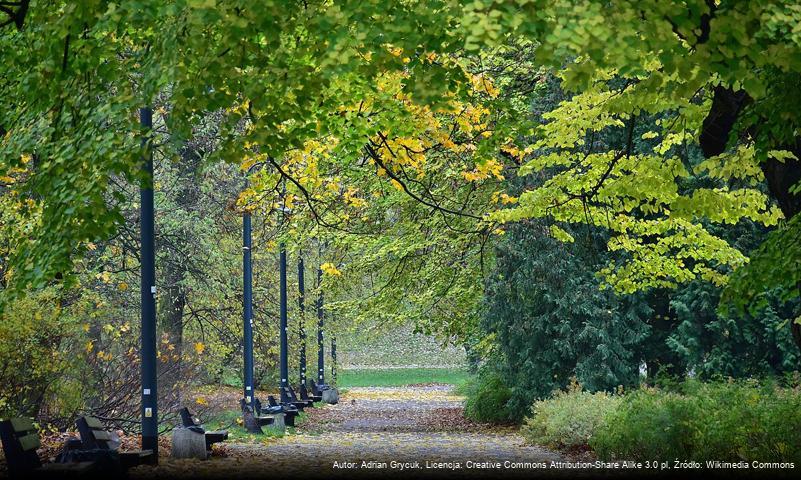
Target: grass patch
[(397, 377), (230, 420)]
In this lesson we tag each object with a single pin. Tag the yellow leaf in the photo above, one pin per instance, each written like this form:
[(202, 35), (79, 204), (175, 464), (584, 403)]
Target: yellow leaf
[(330, 269), (199, 348), (506, 199), (396, 184)]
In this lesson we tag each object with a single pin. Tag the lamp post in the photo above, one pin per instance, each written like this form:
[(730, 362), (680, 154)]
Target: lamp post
[(247, 304), (301, 327), (334, 359), (320, 346), (284, 369), (148, 292)]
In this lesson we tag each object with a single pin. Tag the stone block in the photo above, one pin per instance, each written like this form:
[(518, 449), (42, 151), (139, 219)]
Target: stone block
[(188, 444), (279, 422), (331, 396)]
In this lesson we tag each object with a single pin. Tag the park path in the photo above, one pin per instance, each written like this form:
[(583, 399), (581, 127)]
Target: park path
[(405, 425)]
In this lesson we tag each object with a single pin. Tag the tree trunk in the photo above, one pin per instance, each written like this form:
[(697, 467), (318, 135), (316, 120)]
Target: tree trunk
[(780, 176), (173, 327)]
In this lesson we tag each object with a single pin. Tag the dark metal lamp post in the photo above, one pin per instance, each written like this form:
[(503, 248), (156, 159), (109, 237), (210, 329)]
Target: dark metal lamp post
[(320, 319), (284, 368), (247, 317), (301, 327), (148, 292)]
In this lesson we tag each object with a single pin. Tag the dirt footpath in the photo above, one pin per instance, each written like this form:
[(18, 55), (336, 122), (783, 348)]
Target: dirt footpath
[(403, 432)]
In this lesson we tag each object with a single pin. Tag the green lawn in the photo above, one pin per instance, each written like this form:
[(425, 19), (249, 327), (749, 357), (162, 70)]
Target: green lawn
[(228, 420), (400, 376)]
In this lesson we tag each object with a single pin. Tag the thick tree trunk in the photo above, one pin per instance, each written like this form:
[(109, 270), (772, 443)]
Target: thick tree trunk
[(175, 272), (173, 327), (780, 176)]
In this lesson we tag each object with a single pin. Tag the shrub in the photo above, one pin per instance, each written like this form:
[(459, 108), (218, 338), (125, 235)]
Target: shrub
[(569, 419), (488, 398), (647, 424), (728, 421), (39, 335)]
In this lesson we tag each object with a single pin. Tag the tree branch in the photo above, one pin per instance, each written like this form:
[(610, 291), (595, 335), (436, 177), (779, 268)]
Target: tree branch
[(377, 158)]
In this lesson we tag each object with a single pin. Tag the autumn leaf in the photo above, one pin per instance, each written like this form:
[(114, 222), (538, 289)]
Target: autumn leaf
[(330, 269)]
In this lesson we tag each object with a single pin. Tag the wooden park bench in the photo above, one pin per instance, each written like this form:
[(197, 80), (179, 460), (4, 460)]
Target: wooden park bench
[(192, 422), (269, 410), (299, 406), (317, 389), (21, 440), (255, 409), (289, 410), (95, 437), (293, 398), (304, 394)]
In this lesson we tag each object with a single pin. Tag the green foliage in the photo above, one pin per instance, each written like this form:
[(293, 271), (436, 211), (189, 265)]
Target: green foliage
[(38, 369), (728, 421), (80, 70), (713, 341), (569, 419), (625, 63), (774, 264), (552, 322), (488, 398), (378, 124)]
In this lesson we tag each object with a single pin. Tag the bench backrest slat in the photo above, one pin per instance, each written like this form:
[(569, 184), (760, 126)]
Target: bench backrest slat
[(30, 441), (22, 425), (291, 394), (187, 419), (94, 423), (92, 434), (20, 441), (102, 435)]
